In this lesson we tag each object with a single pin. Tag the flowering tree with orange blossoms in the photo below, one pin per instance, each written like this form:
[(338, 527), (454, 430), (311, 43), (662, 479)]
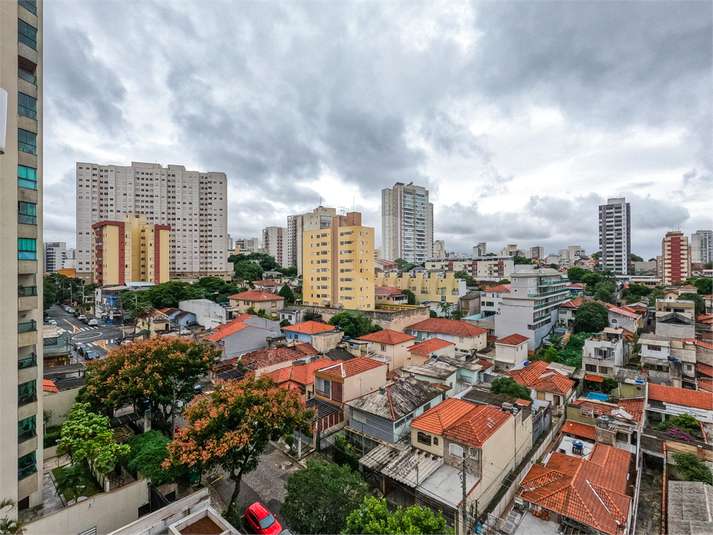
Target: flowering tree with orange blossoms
[(153, 374), (231, 426)]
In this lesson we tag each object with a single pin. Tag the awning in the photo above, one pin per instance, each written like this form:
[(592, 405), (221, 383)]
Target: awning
[(594, 378)]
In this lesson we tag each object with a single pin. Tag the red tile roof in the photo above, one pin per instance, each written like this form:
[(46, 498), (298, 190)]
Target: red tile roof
[(679, 396), (513, 340), (576, 285), (267, 357), (575, 303), (386, 290), (442, 416), (233, 326), (705, 384), (387, 336), (537, 377), (705, 369), (429, 346), (309, 327), (351, 367), (446, 326), (256, 295), (49, 386), (476, 427), (593, 492), (579, 430), (302, 374), (305, 348), (267, 282), (593, 378), (484, 363), (688, 287), (633, 406), (500, 288), (624, 312), (704, 345)]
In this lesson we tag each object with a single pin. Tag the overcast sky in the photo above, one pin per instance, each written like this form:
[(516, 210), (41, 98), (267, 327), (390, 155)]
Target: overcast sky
[(519, 117)]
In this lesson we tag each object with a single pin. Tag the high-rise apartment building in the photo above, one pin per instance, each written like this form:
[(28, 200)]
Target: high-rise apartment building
[(676, 257), (407, 223), (615, 236), (55, 255), (575, 252), (439, 249), (246, 245), (702, 246), (481, 249), (130, 251), (192, 203), (338, 264), (537, 253), (273, 243), (318, 219), (21, 77)]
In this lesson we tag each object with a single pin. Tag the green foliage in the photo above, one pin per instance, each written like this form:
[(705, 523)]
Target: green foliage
[(446, 308), (656, 293), (555, 341), (60, 289), (73, 481), (290, 272), (503, 281), (708, 265), (685, 422), (575, 274), (635, 258), (469, 280), (432, 313), (311, 315), (8, 525), (259, 313), (508, 387), (147, 453), (592, 317), (692, 468), (605, 291), (522, 260), (590, 278), (245, 270), (52, 435), (403, 265), (459, 314), (354, 324), (215, 289), (286, 292), (410, 295), (635, 292), (551, 354), (609, 384), (87, 438), (696, 298), (265, 261), (285, 323), (320, 497), (597, 255), (571, 355), (704, 284), (375, 517), (345, 454)]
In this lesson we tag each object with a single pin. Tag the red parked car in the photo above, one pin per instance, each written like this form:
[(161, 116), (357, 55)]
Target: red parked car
[(261, 520)]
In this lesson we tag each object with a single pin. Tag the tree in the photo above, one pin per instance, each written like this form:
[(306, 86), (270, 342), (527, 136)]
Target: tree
[(87, 439), (147, 455), (311, 315), (596, 256), (432, 313), (410, 295), (508, 387), (522, 260), (571, 355), (503, 281), (555, 341), (459, 314), (634, 292), (656, 293), (469, 280), (7, 524), (265, 261), (403, 265), (696, 298), (635, 258), (704, 284), (708, 265), (154, 374), (354, 324), (591, 279), (286, 292), (231, 426), (692, 468), (374, 517), (605, 291), (591, 317), (446, 308), (245, 270), (72, 480), (575, 274), (609, 384), (50, 295), (320, 497)]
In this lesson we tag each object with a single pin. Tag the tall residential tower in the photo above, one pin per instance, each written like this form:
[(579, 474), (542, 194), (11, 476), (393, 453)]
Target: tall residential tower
[(297, 225), (21, 78), (702, 246), (676, 257), (615, 236), (407, 223)]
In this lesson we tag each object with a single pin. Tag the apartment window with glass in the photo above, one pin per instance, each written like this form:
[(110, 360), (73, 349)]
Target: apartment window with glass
[(26, 465), (27, 34), (26, 249), (29, 5), (27, 105), (27, 141), (27, 213), (27, 392), (26, 429), (27, 76)]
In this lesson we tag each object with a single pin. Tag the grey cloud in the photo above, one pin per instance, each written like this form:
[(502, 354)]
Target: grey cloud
[(451, 137)]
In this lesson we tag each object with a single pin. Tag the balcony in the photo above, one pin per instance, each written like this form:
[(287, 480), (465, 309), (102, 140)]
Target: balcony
[(27, 326)]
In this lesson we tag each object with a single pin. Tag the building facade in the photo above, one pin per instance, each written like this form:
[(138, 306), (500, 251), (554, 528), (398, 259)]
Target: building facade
[(21, 366), (55, 255), (676, 256), (702, 247), (246, 245), (273, 243), (320, 218), (615, 235), (130, 251), (338, 264), (407, 223), (488, 268), (481, 249), (431, 288), (193, 203)]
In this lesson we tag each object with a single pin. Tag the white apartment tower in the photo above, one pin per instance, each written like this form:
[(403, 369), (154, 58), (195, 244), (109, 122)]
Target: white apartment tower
[(21, 78), (55, 255), (273, 243), (702, 246), (407, 223), (194, 204), (318, 219), (615, 236)]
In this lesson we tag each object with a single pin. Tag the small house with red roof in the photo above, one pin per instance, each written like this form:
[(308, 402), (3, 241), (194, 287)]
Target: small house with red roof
[(466, 337), (625, 318), (258, 300), (242, 335), (605, 352), (568, 310), (389, 295), (393, 345), (322, 336), (666, 401), (576, 289), (547, 381), (420, 352), (299, 376), (510, 352), (268, 285), (342, 381)]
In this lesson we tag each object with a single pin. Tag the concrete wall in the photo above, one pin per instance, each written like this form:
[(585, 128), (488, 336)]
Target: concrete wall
[(325, 342), (59, 403), (398, 354), (107, 512), (497, 459), (208, 314), (246, 340), (394, 318), (435, 449), (364, 382)]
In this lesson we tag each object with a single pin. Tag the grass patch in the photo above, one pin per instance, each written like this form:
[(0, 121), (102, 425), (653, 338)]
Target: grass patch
[(86, 486)]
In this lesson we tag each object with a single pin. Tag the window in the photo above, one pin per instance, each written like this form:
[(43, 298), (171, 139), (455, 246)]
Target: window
[(590, 368), (29, 5), (435, 441), (26, 429), (26, 249), (622, 437), (27, 105), (383, 347), (26, 177), (27, 213), (27, 392), (27, 34), (423, 438), (455, 450), (26, 465), (26, 141)]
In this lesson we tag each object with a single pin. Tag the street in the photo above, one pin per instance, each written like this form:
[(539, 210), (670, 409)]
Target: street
[(100, 338)]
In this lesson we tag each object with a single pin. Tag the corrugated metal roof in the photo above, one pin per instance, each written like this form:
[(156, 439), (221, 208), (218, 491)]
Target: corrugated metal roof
[(379, 457), (412, 467)]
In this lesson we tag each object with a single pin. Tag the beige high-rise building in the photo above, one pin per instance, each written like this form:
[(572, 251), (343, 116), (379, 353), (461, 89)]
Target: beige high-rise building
[(273, 243), (247, 245), (407, 223), (21, 78), (676, 256), (297, 225), (338, 264), (194, 204)]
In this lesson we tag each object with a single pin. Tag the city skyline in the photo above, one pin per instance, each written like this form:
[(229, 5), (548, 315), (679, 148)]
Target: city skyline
[(519, 133)]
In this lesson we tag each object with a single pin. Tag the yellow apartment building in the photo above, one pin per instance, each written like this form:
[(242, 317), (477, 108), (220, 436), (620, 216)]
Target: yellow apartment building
[(130, 251), (439, 287), (338, 264)]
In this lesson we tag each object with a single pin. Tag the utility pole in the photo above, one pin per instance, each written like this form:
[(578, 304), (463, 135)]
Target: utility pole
[(463, 478)]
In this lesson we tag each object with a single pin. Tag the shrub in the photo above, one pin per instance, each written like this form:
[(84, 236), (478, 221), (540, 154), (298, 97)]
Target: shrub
[(679, 434), (685, 422), (692, 468)]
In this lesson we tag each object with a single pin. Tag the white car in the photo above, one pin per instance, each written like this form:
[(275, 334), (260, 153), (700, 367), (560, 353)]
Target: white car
[(93, 322)]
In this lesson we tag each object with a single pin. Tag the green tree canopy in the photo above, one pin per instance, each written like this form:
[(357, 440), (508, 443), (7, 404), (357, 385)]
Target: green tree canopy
[(635, 258), (522, 260), (469, 280), (286, 292), (410, 295), (290, 272), (635, 292), (320, 497), (266, 262), (696, 298), (374, 517), (590, 278), (704, 284), (147, 453), (692, 468), (507, 386), (246, 270), (354, 324), (597, 255), (403, 265), (605, 290), (87, 439), (575, 274), (571, 355), (591, 317)]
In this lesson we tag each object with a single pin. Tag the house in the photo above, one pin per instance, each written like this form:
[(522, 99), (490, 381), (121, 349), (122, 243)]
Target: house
[(547, 381), (342, 381), (469, 372), (242, 335), (510, 352), (605, 352), (568, 310), (390, 344), (593, 491), (299, 376), (470, 303), (389, 295), (268, 285), (466, 337), (422, 351), (152, 323), (207, 313), (257, 300), (666, 306), (576, 289), (616, 424), (676, 324), (265, 361), (668, 360), (321, 335), (436, 372), (667, 401), (384, 415), (490, 299)]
